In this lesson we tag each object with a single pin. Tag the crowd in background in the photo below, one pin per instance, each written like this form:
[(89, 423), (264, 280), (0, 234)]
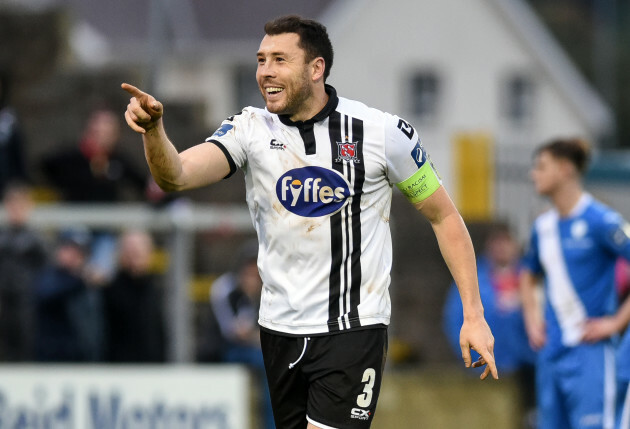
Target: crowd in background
[(91, 295), (56, 307), (86, 295), (81, 295)]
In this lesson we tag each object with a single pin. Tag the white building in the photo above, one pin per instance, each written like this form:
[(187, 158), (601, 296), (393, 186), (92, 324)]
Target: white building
[(477, 67), (454, 66), (483, 69)]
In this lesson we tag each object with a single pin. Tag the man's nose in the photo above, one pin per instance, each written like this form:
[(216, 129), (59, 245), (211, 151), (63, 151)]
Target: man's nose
[(266, 69)]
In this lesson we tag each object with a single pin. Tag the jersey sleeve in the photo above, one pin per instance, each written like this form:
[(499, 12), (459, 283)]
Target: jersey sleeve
[(409, 166), (614, 234), (230, 138), (531, 259)]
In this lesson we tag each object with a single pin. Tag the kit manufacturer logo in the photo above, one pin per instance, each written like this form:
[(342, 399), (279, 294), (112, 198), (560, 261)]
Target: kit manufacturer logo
[(360, 414), (276, 145)]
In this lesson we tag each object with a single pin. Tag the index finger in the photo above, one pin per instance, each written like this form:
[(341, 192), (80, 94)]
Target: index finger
[(133, 90), (488, 356)]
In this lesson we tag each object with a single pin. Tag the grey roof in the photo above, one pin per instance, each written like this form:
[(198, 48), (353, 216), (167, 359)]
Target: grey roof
[(205, 19)]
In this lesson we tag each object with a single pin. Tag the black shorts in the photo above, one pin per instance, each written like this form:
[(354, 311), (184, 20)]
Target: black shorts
[(332, 381)]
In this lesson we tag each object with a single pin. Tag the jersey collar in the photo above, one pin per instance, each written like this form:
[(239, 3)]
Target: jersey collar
[(582, 204), (578, 209), (330, 107)]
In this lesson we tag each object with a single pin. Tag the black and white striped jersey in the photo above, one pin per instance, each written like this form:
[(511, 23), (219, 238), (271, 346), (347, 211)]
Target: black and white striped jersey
[(319, 193)]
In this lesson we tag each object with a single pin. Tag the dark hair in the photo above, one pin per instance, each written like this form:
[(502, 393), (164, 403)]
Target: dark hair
[(313, 37), (498, 230), (246, 254), (574, 150), (77, 236)]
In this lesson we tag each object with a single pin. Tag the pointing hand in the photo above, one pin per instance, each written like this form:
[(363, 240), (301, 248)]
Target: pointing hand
[(143, 111)]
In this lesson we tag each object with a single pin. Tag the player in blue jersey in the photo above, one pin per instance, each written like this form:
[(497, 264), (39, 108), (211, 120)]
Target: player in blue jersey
[(574, 247)]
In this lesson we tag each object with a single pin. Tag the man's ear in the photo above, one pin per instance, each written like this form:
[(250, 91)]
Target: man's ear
[(567, 167), (318, 66)]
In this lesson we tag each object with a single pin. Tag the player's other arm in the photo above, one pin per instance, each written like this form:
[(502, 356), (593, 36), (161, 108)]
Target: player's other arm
[(200, 165), (615, 237), (458, 253), (532, 313), (600, 328)]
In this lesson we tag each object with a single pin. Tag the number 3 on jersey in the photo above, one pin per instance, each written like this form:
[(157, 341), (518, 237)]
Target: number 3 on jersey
[(365, 398)]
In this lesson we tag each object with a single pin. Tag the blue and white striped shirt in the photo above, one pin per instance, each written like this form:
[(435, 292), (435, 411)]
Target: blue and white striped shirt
[(576, 255)]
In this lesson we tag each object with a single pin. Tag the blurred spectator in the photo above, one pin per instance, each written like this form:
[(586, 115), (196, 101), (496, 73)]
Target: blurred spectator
[(133, 304), (12, 165), (95, 171), (235, 299), (498, 273), (69, 316), (22, 255), (622, 278)]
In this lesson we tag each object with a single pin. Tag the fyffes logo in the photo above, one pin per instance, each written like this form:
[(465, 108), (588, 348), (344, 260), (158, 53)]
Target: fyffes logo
[(312, 191)]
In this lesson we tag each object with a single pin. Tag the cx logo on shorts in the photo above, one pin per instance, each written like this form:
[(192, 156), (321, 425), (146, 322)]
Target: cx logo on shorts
[(358, 413)]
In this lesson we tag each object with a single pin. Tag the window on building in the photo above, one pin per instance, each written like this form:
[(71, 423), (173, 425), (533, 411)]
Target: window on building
[(424, 95), (518, 99)]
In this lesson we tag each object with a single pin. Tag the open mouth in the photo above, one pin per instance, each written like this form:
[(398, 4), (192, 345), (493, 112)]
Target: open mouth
[(273, 90)]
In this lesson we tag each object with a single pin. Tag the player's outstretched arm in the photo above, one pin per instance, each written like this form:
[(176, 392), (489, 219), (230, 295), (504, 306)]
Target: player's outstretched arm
[(198, 166), (458, 253)]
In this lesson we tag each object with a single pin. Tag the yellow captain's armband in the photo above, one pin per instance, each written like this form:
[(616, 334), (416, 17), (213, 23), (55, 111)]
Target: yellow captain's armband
[(421, 185)]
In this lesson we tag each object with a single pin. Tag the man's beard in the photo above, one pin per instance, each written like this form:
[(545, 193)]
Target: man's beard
[(294, 101)]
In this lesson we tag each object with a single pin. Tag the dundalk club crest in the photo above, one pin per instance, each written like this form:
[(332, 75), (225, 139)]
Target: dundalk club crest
[(347, 151)]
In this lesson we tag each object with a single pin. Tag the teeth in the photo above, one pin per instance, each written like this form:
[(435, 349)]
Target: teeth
[(273, 90)]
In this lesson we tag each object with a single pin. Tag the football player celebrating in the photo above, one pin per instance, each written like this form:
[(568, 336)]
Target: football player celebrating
[(319, 171)]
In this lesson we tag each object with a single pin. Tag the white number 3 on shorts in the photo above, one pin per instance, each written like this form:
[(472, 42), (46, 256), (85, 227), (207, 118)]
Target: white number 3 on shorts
[(369, 377)]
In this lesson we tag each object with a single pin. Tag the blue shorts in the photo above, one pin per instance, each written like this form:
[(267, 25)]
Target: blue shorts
[(623, 413), (576, 389)]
